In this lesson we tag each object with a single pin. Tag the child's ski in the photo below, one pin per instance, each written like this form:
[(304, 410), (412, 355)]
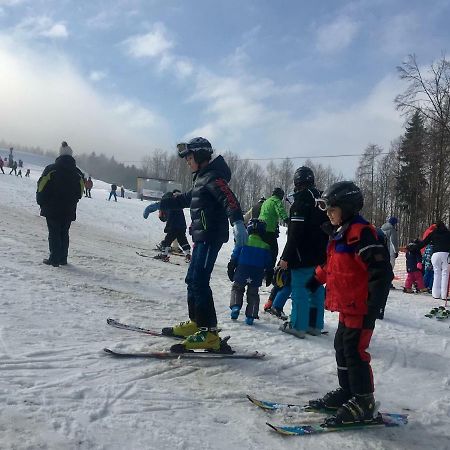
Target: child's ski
[(148, 256), (328, 425)]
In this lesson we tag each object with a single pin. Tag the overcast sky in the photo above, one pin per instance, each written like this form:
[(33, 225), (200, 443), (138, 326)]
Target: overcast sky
[(262, 78)]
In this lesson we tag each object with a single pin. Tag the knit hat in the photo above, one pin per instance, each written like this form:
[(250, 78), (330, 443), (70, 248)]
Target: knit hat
[(393, 220), (65, 149)]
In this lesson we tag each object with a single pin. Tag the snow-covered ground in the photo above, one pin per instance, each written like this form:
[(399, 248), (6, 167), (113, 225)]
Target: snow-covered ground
[(58, 390)]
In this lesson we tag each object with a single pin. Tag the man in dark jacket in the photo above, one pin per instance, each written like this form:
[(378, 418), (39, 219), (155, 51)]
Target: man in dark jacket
[(305, 249), (175, 229), (212, 204), (59, 189)]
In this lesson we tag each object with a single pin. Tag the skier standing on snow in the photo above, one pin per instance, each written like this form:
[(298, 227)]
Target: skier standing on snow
[(59, 189), (414, 269), (13, 168), (440, 239), (1, 165), (212, 203), (113, 192), (88, 185), (175, 229), (357, 276), (305, 249), (272, 212), (248, 266), (390, 231)]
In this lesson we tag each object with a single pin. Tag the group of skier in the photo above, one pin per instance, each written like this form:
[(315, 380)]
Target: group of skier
[(328, 242)]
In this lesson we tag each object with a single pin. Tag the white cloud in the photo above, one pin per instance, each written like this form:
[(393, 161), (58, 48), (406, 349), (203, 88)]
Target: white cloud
[(45, 99), (41, 26), (58, 30), (97, 75), (150, 45), (337, 35)]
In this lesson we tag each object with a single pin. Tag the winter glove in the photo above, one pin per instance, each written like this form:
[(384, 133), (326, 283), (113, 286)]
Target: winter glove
[(312, 284), (419, 265), (230, 270), (150, 208), (269, 277), (240, 233)]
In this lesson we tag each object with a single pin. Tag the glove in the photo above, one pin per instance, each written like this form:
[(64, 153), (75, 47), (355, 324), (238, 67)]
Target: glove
[(396, 255), (312, 284), (230, 270), (150, 208), (419, 265), (240, 233), (269, 277)]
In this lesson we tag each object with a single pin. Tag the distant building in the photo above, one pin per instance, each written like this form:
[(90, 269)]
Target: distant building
[(154, 188)]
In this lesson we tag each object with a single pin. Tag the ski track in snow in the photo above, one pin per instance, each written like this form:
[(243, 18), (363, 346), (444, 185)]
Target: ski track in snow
[(58, 390)]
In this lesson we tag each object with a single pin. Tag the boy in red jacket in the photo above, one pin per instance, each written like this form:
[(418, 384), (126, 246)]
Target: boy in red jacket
[(358, 275)]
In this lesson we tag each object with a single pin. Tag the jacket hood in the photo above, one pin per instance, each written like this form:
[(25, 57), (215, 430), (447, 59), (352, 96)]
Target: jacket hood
[(219, 166), (66, 161)]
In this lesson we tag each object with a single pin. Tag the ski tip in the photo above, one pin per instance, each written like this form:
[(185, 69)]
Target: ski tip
[(279, 430)]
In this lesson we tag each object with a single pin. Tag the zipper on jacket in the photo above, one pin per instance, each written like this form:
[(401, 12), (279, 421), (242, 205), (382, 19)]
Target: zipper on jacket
[(202, 215)]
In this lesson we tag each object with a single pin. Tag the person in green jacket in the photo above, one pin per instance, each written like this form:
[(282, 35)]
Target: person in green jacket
[(272, 212)]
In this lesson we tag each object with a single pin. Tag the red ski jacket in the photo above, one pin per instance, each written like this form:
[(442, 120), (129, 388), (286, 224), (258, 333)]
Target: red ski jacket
[(357, 272)]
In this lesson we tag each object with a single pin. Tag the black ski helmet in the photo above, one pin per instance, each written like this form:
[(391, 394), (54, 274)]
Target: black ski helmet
[(278, 192), (200, 147), (344, 194), (304, 176)]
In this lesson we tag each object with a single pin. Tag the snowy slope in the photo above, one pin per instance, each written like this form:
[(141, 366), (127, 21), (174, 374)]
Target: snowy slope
[(59, 391)]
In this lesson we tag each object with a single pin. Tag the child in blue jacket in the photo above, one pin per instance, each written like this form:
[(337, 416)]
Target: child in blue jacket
[(247, 268)]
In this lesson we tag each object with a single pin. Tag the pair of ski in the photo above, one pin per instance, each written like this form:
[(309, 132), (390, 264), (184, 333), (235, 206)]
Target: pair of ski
[(144, 255), (196, 354), (382, 419)]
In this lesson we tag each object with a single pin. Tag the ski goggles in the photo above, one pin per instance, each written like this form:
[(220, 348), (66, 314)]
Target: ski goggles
[(322, 204), (183, 150)]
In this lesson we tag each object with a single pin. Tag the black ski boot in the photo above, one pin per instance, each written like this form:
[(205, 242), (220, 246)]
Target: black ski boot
[(360, 408), (332, 400)]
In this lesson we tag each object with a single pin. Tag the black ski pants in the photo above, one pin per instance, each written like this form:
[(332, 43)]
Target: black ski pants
[(351, 341), (58, 239), (180, 236), (237, 298)]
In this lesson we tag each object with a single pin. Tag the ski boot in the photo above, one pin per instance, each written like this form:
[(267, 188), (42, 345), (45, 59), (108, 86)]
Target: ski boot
[(442, 314), (249, 320), (49, 262), (360, 408), (163, 257), (408, 290), (235, 310), (277, 312), (314, 331), (433, 312), (332, 400), (203, 339), (183, 329), (287, 328)]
